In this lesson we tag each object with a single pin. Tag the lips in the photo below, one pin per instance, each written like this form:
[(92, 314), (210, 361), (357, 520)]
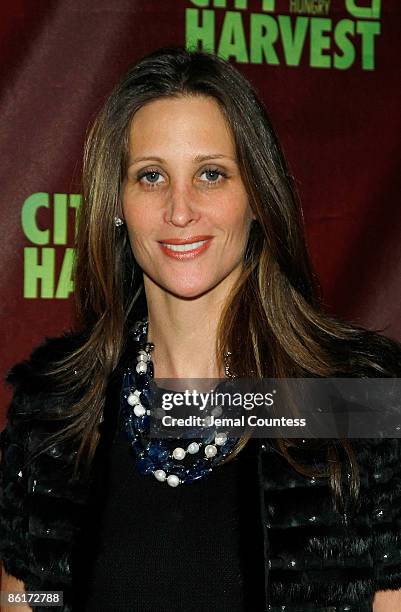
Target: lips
[(182, 249), (185, 240)]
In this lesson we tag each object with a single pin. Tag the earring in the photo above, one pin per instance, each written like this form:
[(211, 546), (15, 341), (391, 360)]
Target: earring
[(118, 222)]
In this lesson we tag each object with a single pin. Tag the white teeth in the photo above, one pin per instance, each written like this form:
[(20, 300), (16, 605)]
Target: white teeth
[(184, 247)]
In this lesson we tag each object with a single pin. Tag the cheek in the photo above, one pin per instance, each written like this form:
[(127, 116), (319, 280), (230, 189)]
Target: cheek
[(135, 223), (137, 217), (234, 213)]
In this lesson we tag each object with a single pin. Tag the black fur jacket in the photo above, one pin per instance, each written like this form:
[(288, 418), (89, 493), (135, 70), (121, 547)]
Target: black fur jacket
[(316, 558)]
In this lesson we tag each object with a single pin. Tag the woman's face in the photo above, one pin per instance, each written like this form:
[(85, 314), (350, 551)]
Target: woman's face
[(183, 184)]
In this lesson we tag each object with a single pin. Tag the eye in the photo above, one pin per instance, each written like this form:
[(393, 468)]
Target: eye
[(213, 175), (151, 176)]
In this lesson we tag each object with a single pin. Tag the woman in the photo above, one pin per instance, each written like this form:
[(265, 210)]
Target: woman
[(191, 262)]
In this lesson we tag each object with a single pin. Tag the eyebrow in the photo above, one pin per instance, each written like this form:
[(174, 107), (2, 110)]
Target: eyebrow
[(197, 159)]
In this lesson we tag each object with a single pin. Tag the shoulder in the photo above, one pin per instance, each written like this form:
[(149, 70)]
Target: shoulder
[(368, 353), (28, 377)]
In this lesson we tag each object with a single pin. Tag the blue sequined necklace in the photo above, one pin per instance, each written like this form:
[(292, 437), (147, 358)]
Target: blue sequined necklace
[(172, 461)]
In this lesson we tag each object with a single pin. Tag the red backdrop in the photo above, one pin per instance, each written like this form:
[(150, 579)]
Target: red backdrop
[(328, 73)]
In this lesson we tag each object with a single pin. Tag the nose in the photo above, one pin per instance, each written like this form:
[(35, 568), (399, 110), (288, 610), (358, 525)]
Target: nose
[(181, 207)]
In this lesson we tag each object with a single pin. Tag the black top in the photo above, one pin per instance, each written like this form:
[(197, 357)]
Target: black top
[(195, 547)]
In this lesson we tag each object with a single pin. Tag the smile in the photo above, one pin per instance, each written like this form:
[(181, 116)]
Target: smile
[(185, 251)]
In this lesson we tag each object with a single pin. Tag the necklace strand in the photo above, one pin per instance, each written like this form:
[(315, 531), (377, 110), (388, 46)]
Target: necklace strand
[(173, 464)]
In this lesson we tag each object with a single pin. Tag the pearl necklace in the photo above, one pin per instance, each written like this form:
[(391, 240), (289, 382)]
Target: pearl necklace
[(154, 456)]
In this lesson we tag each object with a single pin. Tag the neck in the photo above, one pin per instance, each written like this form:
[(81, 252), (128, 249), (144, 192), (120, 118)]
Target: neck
[(184, 333)]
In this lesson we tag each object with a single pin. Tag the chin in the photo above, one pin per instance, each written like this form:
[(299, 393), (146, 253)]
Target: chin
[(188, 293), (187, 288), (190, 286)]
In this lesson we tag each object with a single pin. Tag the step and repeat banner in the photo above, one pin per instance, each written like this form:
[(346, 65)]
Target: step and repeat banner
[(328, 72)]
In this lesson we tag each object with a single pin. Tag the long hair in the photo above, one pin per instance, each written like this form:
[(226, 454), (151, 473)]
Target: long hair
[(274, 311)]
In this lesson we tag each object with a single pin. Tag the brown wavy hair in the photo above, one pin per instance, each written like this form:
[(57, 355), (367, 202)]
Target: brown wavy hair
[(273, 313)]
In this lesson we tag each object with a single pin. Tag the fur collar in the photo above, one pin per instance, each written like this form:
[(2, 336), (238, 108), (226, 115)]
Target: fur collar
[(28, 376)]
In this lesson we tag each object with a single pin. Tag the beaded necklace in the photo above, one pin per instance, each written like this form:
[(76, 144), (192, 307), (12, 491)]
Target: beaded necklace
[(172, 461)]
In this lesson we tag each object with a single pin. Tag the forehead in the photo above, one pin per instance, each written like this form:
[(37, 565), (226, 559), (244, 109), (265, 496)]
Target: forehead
[(187, 122)]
